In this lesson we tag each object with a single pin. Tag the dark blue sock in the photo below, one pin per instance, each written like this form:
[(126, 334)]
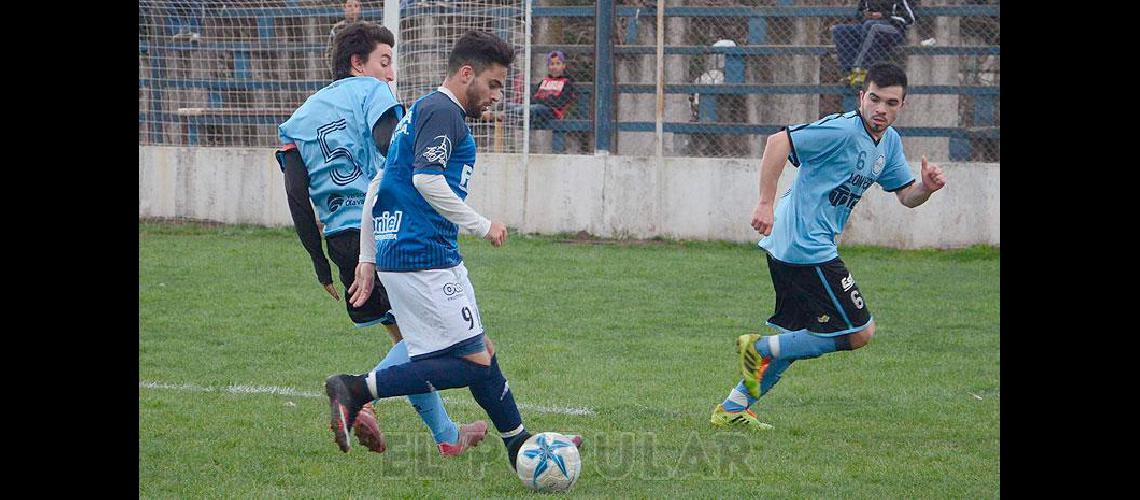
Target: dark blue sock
[(419, 376), (493, 393), (486, 383), (429, 405)]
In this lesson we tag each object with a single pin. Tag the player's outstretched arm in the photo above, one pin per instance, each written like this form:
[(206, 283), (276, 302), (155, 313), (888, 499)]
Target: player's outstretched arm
[(434, 189), (304, 220), (933, 179), (776, 151)]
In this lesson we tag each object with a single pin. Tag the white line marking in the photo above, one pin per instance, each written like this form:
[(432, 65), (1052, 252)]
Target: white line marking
[(578, 411)]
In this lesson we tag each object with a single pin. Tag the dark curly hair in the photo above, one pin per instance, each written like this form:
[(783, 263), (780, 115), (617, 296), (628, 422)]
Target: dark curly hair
[(479, 49), (360, 39)]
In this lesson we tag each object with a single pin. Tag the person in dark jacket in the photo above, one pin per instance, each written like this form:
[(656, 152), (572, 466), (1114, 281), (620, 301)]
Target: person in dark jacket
[(882, 25)]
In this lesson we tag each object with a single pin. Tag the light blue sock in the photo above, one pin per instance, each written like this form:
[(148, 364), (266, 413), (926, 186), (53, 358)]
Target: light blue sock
[(738, 398), (428, 405), (772, 374), (795, 346)]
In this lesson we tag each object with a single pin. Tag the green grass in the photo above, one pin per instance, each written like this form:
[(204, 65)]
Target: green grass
[(640, 333)]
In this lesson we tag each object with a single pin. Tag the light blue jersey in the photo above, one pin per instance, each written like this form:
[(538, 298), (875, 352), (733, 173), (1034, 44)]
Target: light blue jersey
[(333, 132), (432, 138), (838, 161)]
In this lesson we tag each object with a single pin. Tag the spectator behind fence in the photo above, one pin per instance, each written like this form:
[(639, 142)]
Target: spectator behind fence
[(714, 73), (882, 26), (717, 108), (554, 97), (351, 15)]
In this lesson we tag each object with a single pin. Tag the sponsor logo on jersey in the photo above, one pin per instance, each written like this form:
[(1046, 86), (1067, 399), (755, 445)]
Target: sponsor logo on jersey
[(450, 289), (841, 196), (387, 224), (337, 201)]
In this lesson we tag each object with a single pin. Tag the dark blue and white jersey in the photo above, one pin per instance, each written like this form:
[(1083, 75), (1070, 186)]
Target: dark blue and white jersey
[(838, 160), (333, 132), (432, 138)]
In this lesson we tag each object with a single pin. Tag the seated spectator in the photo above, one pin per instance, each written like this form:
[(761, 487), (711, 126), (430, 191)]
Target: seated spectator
[(882, 26), (554, 96)]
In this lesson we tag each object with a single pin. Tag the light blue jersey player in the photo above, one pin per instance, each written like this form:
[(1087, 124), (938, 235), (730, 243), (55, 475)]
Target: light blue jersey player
[(838, 161), (418, 210), (819, 307), (333, 145), (333, 132)]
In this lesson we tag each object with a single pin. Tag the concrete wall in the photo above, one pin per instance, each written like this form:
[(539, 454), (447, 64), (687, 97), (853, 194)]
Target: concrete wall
[(610, 196)]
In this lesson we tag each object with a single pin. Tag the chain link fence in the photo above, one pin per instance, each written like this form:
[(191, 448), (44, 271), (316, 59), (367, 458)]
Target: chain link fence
[(429, 29), (215, 73), (227, 73)]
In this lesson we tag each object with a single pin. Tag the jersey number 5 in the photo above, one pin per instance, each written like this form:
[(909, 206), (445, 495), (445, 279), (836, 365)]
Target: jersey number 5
[(338, 176)]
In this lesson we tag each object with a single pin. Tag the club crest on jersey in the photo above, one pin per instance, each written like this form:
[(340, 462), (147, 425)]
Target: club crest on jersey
[(439, 153), (878, 165), (386, 225)]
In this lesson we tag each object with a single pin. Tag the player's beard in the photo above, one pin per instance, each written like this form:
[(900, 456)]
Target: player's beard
[(473, 109), (872, 126)]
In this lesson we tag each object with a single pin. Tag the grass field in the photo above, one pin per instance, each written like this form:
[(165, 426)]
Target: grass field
[(630, 345)]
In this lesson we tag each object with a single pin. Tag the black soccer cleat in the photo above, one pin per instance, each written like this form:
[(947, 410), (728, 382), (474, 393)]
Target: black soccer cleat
[(343, 409), (514, 446)]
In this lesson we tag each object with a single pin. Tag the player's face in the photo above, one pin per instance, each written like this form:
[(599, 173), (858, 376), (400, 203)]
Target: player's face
[(379, 64), (352, 10), (880, 106), (556, 66), (485, 89)]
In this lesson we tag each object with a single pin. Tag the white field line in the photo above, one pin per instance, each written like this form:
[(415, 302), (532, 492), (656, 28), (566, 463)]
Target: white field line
[(578, 411)]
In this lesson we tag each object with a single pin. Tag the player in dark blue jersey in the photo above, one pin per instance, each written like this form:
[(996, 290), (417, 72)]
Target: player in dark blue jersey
[(819, 308), (330, 153), (416, 216)]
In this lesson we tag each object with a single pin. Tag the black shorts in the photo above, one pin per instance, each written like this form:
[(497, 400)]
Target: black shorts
[(820, 298), (344, 250)]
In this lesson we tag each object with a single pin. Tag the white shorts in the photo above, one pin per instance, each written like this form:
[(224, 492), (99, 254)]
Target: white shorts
[(435, 308)]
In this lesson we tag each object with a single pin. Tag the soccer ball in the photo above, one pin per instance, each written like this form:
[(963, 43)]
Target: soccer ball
[(548, 462)]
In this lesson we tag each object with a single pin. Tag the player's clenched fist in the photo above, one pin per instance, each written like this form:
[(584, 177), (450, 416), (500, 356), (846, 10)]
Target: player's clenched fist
[(762, 218), (497, 235)]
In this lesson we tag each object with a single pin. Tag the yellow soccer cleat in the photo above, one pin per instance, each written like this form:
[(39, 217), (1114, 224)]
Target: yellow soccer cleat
[(752, 363), (746, 418)]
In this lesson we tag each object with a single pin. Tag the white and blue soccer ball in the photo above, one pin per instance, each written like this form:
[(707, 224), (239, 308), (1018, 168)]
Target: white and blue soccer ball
[(548, 462)]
